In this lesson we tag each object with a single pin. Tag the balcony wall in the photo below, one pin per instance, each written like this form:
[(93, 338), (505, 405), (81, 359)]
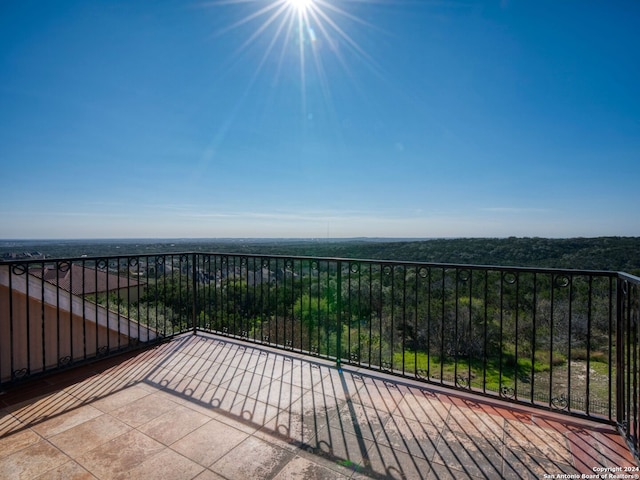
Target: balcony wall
[(43, 328)]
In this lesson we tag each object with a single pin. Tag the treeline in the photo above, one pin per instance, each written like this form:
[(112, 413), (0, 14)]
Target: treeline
[(600, 253)]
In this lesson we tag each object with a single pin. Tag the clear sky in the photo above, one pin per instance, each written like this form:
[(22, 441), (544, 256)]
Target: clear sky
[(319, 118)]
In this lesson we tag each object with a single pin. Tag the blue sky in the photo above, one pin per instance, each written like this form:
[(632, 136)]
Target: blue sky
[(341, 118)]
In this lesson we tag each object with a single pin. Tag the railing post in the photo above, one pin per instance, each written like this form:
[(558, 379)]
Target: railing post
[(620, 364), (194, 283), (339, 317)]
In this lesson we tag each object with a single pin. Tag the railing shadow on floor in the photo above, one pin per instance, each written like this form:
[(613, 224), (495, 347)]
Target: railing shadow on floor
[(368, 423)]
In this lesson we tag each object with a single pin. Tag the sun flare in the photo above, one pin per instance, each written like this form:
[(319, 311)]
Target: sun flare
[(300, 5), (318, 33)]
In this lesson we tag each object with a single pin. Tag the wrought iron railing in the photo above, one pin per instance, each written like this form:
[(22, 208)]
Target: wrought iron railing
[(565, 340)]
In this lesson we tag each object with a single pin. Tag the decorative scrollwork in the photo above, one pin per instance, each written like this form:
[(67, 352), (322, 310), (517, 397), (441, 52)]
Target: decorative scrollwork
[(19, 269), (462, 381), (245, 334), (103, 350), (288, 344), (423, 272), (20, 374), (561, 281), (265, 263), (510, 277), (507, 391), (288, 264), (561, 402), (314, 265), (102, 264), (265, 338), (464, 275), (225, 330), (64, 361), (159, 260), (625, 287), (184, 258), (422, 373), (244, 261), (354, 267), (63, 266), (354, 357), (386, 366), (315, 349), (133, 262), (387, 270)]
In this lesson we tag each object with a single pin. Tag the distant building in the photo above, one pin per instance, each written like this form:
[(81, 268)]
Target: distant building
[(23, 256), (84, 281)]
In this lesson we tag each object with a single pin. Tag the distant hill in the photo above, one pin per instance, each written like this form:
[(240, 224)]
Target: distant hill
[(600, 253)]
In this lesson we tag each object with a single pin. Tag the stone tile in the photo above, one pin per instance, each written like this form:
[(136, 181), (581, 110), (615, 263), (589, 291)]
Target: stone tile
[(245, 382), (119, 399), (68, 471), (190, 365), (357, 419), (89, 435), (43, 408), (32, 461), (537, 441), (9, 423), (425, 406), (174, 424), (345, 468), (305, 376), (166, 465), (253, 458), (301, 422), (209, 442), (264, 416), (59, 423), (613, 449), (473, 456), (449, 472), (185, 387), (216, 373), (340, 447), (221, 399), (302, 469), (315, 402), (476, 423), (293, 427), (385, 462), (247, 359), (141, 411), (340, 385), (274, 366), (380, 394), (410, 436), (120, 455), (209, 475), (278, 394), (17, 441), (521, 465)]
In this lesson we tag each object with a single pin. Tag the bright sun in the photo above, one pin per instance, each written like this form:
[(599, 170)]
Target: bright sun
[(300, 5)]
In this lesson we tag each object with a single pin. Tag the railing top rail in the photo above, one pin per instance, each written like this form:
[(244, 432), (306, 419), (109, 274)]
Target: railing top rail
[(504, 268), (629, 277)]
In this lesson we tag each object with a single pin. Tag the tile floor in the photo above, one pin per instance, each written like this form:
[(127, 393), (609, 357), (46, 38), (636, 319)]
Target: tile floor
[(201, 407)]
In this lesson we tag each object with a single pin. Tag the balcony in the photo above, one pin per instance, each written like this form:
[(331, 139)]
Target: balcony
[(209, 366)]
